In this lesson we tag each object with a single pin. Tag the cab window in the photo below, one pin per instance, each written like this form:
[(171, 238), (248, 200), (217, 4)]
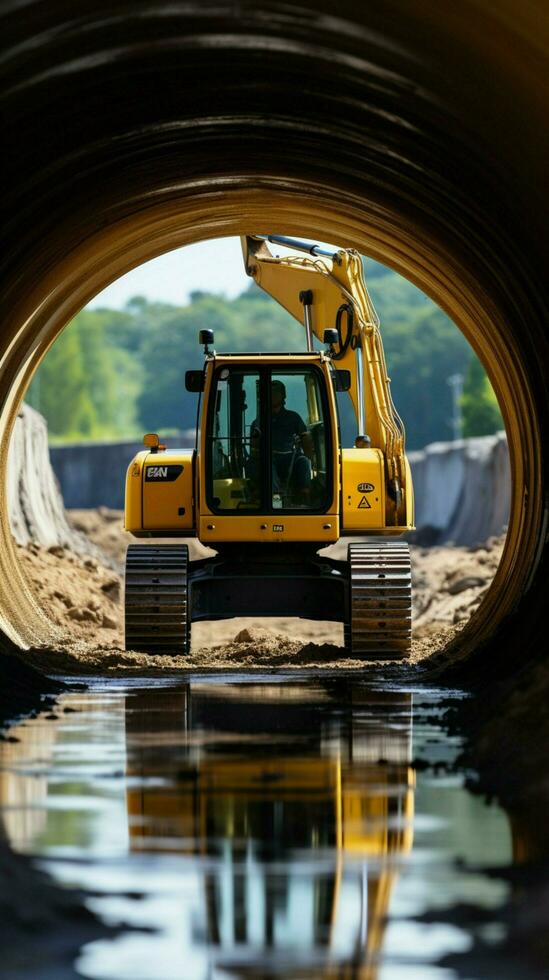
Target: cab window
[(267, 441), (233, 448)]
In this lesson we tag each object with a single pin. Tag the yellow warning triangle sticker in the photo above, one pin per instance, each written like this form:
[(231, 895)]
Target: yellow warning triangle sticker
[(364, 504)]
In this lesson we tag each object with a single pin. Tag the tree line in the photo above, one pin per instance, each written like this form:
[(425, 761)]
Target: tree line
[(118, 373)]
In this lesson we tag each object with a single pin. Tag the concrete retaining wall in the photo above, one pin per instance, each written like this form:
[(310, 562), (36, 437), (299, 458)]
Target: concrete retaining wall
[(462, 490)]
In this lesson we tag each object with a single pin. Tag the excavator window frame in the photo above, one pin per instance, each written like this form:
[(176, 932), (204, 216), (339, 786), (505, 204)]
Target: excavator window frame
[(265, 372)]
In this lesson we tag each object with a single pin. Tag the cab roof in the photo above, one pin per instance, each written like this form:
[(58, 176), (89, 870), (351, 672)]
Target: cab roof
[(277, 355)]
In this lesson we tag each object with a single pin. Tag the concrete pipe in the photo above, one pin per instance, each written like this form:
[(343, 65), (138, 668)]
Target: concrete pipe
[(415, 132)]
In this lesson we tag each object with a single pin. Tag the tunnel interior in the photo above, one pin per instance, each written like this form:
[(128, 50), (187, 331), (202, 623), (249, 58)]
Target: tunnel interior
[(415, 137)]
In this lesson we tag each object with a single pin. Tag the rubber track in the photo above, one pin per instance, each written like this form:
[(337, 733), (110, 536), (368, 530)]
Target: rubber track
[(156, 615), (381, 600)]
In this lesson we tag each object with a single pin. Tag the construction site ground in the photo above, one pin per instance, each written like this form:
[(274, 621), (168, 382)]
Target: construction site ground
[(83, 596)]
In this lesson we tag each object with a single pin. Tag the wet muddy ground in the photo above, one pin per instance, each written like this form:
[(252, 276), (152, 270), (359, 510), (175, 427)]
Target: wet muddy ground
[(259, 829)]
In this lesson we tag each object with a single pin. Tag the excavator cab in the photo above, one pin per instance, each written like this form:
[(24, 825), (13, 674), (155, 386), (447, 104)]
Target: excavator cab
[(270, 484)]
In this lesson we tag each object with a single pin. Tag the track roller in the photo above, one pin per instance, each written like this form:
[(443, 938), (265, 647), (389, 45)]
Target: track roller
[(156, 610), (380, 626)]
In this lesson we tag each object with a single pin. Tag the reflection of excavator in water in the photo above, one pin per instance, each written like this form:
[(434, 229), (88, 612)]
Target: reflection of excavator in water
[(296, 834), (270, 484)]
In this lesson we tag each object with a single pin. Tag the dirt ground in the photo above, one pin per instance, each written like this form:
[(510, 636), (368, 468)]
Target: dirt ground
[(85, 596)]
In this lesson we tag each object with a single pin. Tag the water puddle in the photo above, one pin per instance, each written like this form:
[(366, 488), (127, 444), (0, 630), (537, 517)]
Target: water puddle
[(258, 829)]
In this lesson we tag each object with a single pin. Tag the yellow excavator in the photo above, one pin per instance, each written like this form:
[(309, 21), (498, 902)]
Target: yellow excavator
[(269, 484)]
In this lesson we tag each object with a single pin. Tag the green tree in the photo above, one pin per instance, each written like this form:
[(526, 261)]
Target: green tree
[(86, 387), (479, 406), (171, 346), (423, 348), (59, 389)]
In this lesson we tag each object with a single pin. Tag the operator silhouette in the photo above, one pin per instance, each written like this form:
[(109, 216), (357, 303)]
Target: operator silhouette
[(291, 445)]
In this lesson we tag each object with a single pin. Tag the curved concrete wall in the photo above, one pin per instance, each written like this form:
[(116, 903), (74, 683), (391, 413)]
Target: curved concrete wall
[(462, 490)]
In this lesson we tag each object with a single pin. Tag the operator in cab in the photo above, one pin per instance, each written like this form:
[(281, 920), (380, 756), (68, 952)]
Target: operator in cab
[(291, 446)]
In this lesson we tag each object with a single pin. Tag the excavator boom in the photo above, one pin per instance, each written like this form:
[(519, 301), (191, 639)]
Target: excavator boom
[(326, 289)]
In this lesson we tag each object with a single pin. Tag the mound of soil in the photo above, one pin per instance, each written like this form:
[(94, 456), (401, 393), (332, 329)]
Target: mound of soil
[(449, 584), (85, 596), (79, 593)]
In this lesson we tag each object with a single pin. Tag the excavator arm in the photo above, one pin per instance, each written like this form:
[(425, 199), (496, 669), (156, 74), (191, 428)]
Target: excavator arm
[(324, 290)]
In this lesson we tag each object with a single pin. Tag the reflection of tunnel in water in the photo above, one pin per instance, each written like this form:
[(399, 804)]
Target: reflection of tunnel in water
[(298, 825)]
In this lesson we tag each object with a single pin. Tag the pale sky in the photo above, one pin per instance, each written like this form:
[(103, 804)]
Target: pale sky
[(214, 266)]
